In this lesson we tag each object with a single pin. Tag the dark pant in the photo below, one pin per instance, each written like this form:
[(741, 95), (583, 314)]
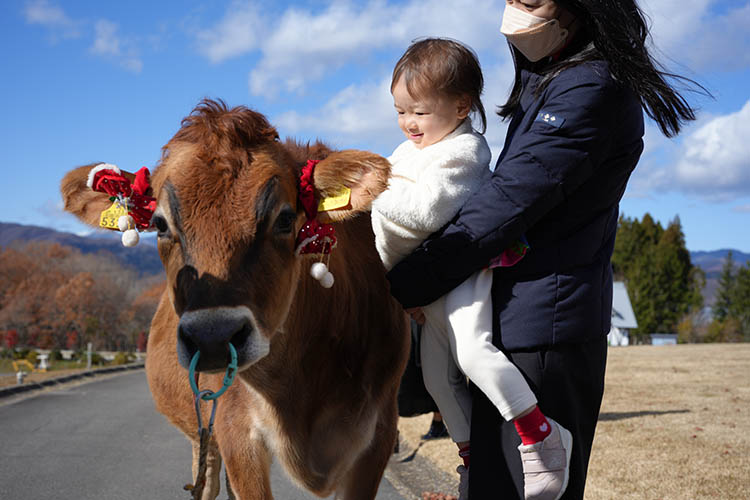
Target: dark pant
[(568, 381)]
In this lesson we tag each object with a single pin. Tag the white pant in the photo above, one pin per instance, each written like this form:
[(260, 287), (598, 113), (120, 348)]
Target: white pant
[(457, 343)]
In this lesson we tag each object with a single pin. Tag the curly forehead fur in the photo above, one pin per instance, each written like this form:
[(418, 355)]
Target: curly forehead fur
[(220, 142), (218, 164)]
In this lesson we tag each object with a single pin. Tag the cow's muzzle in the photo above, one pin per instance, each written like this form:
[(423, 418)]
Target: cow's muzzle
[(211, 330)]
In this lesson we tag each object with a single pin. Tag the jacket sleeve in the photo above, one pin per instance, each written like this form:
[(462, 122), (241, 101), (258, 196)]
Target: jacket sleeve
[(542, 166)]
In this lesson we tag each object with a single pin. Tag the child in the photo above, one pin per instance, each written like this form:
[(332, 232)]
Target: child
[(436, 84)]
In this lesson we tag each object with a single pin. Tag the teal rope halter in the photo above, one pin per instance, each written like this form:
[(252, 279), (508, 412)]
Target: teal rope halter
[(228, 376)]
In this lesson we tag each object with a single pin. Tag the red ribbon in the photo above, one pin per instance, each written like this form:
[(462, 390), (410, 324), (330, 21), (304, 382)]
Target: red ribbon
[(314, 237), (140, 206)]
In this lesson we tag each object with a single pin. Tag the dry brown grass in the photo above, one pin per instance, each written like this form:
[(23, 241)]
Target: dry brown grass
[(675, 424)]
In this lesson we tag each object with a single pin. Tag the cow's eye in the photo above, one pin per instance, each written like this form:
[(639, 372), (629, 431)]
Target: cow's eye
[(160, 223), (285, 222)]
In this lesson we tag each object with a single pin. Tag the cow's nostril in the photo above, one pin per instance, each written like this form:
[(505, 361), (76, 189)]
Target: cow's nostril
[(240, 339), (188, 345), (210, 331)]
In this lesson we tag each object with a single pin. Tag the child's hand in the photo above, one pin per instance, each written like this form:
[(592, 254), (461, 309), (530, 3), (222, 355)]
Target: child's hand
[(416, 314)]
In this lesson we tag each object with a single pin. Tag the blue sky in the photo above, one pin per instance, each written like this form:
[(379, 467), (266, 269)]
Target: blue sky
[(87, 81)]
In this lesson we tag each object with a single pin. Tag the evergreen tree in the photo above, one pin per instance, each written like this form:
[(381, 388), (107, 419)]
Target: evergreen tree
[(724, 293), (740, 306), (627, 247), (673, 293), (655, 264)]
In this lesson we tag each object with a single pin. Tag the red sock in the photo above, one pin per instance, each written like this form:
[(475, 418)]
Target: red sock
[(533, 427), (465, 454)]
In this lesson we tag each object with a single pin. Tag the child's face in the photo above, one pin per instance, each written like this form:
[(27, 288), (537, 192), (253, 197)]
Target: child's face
[(426, 120)]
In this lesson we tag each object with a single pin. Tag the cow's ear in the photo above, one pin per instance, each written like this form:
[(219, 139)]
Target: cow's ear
[(80, 200), (365, 173)]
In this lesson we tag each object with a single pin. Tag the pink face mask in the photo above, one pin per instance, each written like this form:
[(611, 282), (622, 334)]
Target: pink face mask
[(535, 37)]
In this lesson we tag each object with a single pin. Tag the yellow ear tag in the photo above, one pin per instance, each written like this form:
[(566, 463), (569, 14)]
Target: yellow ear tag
[(109, 217), (339, 200)]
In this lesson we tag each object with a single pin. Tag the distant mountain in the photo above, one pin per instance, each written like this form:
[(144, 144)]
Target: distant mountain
[(143, 257), (711, 263)]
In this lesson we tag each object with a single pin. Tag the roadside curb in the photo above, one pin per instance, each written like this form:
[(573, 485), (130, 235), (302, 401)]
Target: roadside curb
[(44, 384)]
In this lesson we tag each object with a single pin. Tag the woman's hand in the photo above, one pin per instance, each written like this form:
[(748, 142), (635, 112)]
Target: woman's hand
[(416, 314)]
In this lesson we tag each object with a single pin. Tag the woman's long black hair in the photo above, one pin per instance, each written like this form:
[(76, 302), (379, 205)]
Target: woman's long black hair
[(615, 31)]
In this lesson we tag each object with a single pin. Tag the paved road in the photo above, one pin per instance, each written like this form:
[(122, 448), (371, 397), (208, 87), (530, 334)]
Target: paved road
[(103, 440)]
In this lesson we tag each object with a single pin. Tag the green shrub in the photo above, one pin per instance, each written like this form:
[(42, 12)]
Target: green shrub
[(55, 355), (121, 358), (96, 359)]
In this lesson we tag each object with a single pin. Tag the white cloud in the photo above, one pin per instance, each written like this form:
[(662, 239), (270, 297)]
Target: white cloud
[(696, 36), (710, 161), (107, 41), (239, 32), (743, 209), (714, 161), (52, 17), (365, 113), (302, 46), (356, 113), (109, 44)]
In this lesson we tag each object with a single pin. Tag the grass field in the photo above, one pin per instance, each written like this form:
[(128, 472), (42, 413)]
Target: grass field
[(56, 369), (675, 425)]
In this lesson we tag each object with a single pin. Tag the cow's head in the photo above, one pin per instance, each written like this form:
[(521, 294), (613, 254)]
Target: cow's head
[(227, 218)]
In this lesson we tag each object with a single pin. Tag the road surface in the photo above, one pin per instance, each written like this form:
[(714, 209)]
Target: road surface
[(103, 440)]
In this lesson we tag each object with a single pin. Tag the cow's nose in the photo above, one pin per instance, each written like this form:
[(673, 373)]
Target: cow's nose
[(210, 331)]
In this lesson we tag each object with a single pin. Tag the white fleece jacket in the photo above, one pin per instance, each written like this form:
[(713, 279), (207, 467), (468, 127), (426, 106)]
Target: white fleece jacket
[(426, 189)]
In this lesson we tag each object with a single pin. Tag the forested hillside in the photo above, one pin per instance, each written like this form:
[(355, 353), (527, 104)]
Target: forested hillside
[(58, 296), (59, 290)]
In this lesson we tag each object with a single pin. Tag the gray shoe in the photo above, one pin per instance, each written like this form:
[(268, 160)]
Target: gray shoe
[(546, 465), (463, 482)]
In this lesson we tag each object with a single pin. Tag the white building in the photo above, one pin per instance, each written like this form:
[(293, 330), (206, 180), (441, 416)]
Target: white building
[(623, 317), (663, 339)]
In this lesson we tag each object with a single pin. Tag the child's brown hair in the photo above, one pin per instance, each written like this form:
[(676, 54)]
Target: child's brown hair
[(444, 66)]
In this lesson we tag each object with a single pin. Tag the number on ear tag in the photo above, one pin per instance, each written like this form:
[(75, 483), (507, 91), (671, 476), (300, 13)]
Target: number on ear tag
[(110, 216), (338, 200)]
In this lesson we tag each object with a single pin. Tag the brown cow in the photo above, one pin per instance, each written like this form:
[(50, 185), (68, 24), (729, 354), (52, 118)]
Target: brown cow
[(319, 367)]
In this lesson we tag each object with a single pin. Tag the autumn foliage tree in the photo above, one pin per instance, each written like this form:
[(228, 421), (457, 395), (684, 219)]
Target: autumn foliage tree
[(54, 296)]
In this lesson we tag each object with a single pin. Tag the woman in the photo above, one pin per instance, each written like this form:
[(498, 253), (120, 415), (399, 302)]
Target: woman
[(583, 79)]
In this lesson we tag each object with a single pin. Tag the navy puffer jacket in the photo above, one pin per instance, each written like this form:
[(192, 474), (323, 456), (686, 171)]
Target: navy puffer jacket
[(567, 158)]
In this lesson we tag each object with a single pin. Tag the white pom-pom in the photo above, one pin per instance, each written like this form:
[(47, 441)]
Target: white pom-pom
[(130, 238), (327, 280), (318, 270), (125, 222)]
